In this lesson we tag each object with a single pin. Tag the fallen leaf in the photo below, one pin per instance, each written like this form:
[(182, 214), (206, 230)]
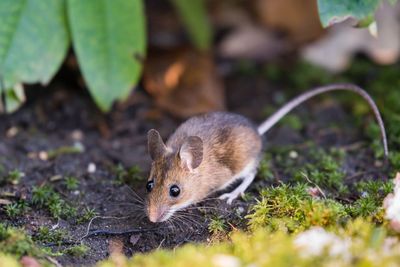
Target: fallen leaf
[(314, 192), (11, 132), (253, 42), (184, 82), (116, 246), (298, 19), (134, 239), (5, 202), (55, 178), (335, 51)]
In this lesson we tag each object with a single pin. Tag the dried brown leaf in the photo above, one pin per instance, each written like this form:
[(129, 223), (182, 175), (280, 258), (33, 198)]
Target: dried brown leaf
[(184, 82)]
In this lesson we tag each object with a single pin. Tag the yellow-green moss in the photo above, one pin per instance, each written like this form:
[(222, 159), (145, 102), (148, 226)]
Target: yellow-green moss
[(368, 245)]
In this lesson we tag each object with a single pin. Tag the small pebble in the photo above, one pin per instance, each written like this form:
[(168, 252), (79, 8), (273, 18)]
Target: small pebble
[(13, 131), (43, 155), (77, 135), (293, 154), (240, 210), (56, 177), (91, 168)]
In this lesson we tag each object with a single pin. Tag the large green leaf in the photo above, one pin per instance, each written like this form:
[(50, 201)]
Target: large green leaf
[(334, 11), (33, 40), (194, 15), (109, 39)]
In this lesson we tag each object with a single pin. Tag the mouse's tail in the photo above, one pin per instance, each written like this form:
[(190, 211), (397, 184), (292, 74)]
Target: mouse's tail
[(279, 114)]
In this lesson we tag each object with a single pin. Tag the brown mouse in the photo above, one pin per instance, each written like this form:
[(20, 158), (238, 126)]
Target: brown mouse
[(207, 153)]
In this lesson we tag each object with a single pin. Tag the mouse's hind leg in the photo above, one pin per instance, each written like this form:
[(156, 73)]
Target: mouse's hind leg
[(248, 178)]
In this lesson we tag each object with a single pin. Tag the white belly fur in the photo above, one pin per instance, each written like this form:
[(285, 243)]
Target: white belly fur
[(250, 167)]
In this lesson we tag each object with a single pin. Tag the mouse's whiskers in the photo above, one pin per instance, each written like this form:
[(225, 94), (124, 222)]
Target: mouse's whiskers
[(134, 194), (188, 219), (181, 224)]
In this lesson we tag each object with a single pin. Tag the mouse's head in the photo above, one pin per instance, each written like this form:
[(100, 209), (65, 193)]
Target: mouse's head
[(174, 177)]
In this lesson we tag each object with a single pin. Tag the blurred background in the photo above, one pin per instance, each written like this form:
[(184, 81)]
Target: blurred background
[(180, 53)]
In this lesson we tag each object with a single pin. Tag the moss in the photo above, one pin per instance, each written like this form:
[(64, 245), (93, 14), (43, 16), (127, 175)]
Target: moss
[(247, 197), (292, 209), (377, 189), (14, 210), (77, 251), (371, 198), (127, 176), (46, 197), (324, 170), (42, 195), (12, 177), (87, 215), (9, 261), (45, 235), (217, 225), (64, 150), (71, 183), (16, 242), (365, 245)]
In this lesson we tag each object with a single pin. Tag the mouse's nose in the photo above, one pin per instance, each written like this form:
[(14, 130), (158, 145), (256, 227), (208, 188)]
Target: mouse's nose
[(157, 214)]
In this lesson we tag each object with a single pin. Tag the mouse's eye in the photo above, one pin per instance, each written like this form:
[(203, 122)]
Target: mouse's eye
[(150, 185), (174, 191)]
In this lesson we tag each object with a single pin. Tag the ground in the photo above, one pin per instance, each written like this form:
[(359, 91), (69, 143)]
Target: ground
[(63, 162)]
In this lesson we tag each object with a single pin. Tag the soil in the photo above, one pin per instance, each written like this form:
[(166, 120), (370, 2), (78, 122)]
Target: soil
[(62, 114)]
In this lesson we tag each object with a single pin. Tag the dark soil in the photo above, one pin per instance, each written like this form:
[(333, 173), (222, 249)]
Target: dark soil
[(56, 116)]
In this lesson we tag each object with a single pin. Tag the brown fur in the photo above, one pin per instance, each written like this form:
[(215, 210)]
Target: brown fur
[(230, 142)]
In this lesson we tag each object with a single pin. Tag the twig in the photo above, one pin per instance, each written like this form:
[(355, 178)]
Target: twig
[(102, 217), (159, 246), (107, 232), (308, 179), (54, 261)]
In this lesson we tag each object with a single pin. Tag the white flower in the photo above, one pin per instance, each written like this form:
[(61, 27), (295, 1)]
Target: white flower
[(223, 260), (392, 205), (315, 241), (91, 168)]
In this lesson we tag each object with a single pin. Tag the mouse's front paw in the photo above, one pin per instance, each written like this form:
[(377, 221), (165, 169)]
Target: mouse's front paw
[(229, 197)]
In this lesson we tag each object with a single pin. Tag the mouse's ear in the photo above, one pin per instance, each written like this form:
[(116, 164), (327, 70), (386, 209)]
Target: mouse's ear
[(191, 152), (155, 144)]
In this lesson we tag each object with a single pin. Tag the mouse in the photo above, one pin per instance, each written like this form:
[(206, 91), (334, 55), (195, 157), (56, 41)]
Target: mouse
[(209, 152)]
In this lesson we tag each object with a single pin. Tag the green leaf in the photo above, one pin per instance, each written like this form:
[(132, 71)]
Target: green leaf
[(109, 40), (392, 2), (194, 15), (33, 40), (14, 98), (334, 11)]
